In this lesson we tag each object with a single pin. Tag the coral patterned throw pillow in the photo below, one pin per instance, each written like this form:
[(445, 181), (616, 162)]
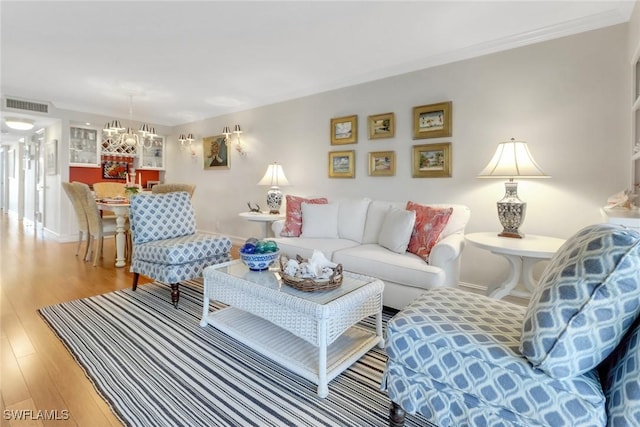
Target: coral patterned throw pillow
[(293, 222), (429, 224)]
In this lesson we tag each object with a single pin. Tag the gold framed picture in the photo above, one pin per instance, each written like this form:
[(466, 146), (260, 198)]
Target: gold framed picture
[(432, 160), (344, 130), (382, 163), (382, 126), (432, 121), (215, 153), (342, 164)]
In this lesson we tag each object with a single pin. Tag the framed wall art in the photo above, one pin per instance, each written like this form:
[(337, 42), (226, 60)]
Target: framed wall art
[(342, 164), (344, 130), (150, 184), (112, 169), (382, 163), (51, 154), (381, 126), (432, 160), (215, 152), (432, 121)]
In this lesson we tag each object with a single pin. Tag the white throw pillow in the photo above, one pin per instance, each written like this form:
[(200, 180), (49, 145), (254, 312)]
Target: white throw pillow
[(375, 217), (320, 221), (352, 214), (396, 230)]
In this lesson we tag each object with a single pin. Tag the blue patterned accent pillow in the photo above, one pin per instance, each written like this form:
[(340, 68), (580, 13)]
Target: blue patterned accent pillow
[(621, 381), (586, 300)]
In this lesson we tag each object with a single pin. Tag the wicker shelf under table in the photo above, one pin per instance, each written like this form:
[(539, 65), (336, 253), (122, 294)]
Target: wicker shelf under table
[(313, 334)]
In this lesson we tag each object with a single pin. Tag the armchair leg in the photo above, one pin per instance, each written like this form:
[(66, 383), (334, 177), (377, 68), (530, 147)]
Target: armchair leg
[(175, 294), (136, 276), (396, 415)]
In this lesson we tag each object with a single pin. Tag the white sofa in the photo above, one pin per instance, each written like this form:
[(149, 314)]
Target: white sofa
[(356, 247)]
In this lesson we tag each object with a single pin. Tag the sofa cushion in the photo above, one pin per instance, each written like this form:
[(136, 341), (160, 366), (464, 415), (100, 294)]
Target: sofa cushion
[(292, 246), (396, 230), (293, 222), (183, 249), (426, 232), (352, 215), (375, 217), (406, 268), (319, 220), (621, 380), (586, 300), (466, 345)]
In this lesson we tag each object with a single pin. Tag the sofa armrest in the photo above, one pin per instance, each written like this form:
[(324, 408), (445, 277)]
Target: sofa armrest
[(446, 255), (447, 250), (277, 226)]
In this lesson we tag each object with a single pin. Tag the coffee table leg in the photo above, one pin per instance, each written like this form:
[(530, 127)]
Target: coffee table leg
[(379, 329), (323, 387), (205, 307)]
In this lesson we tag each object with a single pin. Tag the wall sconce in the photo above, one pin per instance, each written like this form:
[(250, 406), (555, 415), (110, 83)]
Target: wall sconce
[(186, 141), (239, 148)]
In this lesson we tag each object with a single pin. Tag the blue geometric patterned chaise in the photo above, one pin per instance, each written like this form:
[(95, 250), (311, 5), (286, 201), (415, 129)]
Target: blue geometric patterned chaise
[(571, 358), (166, 246)]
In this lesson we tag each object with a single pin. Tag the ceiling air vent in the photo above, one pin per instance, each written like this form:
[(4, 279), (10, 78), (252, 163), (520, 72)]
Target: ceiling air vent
[(19, 104)]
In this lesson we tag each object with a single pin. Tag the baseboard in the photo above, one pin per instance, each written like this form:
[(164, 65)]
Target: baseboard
[(473, 287)]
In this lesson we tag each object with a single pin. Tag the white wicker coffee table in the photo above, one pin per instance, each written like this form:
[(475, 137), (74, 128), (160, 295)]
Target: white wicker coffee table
[(313, 334)]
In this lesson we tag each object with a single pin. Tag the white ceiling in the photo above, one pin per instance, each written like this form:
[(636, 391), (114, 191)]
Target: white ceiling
[(186, 61)]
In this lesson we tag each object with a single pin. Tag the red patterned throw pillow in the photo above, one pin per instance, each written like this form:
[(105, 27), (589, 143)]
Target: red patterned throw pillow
[(429, 225), (293, 222)]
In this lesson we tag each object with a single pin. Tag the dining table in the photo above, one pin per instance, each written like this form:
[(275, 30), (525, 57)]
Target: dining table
[(121, 209)]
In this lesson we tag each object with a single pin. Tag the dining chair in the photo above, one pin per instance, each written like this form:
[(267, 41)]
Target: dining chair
[(105, 190), (99, 226), (81, 217), (170, 188), (108, 190)]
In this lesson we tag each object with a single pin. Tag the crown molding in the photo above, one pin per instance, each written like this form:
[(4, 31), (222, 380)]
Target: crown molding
[(551, 32)]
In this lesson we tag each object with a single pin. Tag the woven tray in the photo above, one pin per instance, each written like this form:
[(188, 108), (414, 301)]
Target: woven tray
[(308, 284)]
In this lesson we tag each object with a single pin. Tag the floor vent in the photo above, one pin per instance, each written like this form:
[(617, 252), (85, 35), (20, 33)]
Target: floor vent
[(19, 104)]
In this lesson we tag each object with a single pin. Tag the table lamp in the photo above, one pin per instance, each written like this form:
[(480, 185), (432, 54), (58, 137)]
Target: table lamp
[(512, 160), (274, 177)]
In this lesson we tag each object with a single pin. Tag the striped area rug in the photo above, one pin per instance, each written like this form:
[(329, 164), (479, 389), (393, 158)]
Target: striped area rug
[(156, 366)]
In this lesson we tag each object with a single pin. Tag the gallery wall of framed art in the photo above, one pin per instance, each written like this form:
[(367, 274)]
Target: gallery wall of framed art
[(432, 160)]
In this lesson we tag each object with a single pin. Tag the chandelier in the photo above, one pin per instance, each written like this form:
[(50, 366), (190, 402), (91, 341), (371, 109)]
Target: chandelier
[(118, 140)]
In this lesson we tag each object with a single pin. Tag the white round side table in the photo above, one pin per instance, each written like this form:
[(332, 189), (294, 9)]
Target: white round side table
[(522, 255), (265, 218)]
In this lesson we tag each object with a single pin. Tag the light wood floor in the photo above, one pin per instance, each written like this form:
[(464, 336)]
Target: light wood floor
[(37, 372)]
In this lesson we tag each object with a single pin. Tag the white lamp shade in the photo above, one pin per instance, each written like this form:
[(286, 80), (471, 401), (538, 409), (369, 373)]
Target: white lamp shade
[(274, 176), (512, 159)]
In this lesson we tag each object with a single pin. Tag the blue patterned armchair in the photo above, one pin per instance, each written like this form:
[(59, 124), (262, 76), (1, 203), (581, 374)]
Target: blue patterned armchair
[(166, 246), (571, 358)]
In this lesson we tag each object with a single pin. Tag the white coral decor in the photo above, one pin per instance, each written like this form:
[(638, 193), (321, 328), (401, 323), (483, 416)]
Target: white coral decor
[(316, 267)]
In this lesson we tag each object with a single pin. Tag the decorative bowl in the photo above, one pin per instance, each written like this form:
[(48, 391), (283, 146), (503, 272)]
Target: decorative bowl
[(259, 262)]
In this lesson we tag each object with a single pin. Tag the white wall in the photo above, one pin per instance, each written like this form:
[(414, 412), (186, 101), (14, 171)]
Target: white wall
[(568, 98), (57, 210)]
